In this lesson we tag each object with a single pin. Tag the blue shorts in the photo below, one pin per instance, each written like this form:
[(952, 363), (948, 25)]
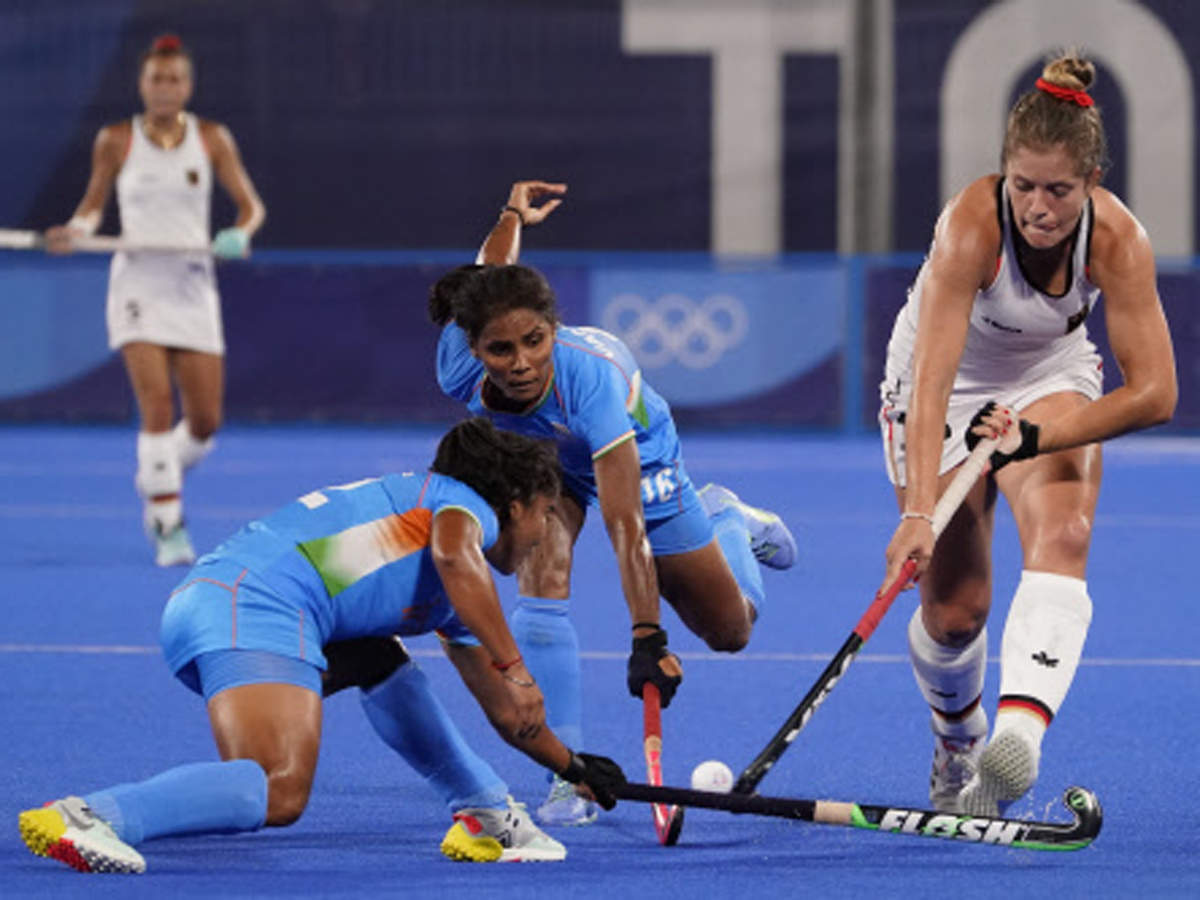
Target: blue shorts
[(685, 527), (224, 606), (219, 670)]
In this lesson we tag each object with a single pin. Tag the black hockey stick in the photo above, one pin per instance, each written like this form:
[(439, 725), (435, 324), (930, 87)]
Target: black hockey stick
[(947, 504), (1022, 834)]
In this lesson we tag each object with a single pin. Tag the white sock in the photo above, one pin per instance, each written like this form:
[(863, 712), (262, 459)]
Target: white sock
[(189, 450), (1043, 640), (158, 471), (950, 679)]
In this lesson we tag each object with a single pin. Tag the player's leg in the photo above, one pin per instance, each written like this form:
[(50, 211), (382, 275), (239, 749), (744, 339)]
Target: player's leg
[(159, 477), (706, 568), (947, 641), (1053, 498), (402, 708), (495, 832), (708, 599), (770, 540), (546, 637), (265, 712), (201, 381)]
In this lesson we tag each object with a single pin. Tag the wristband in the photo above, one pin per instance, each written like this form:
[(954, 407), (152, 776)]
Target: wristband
[(574, 770), (87, 225), (917, 515), (637, 625), (513, 209)]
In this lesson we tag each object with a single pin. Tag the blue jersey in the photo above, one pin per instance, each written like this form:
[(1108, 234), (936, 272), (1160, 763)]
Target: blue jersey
[(345, 561), (595, 399)]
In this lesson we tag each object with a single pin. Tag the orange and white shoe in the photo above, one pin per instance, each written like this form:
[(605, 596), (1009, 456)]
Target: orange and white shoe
[(67, 830)]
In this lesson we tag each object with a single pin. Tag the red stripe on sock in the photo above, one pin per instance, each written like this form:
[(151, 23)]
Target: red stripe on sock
[(1028, 704)]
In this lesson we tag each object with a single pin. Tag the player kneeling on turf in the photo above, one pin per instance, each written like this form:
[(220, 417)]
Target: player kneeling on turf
[(354, 565)]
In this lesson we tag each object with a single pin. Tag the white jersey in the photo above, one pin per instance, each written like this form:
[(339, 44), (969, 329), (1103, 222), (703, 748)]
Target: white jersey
[(164, 197), (1022, 344)]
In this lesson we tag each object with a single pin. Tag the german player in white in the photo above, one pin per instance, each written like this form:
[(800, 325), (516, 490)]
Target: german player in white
[(164, 313), (993, 337)]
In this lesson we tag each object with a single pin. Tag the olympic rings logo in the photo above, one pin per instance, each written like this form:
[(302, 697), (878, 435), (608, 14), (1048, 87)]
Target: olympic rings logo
[(674, 328)]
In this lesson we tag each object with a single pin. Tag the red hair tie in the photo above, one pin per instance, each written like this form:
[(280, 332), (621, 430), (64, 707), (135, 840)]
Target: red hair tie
[(1083, 98), (167, 43)]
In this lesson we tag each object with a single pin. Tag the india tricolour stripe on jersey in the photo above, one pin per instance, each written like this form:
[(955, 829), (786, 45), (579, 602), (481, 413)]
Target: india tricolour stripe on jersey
[(342, 559), (635, 403)]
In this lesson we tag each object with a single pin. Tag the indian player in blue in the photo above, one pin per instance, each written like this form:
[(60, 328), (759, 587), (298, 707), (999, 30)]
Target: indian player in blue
[(317, 591), (504, 353)]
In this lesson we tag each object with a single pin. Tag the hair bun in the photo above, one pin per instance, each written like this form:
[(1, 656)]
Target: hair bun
[(166, 43)]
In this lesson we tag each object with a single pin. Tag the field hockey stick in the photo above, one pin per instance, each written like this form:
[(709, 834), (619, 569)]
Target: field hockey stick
[(668, 820), (20, 239), (1023, 834), (947, 504)]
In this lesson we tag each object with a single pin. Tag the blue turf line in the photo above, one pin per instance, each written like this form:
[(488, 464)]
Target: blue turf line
[(87, 701)]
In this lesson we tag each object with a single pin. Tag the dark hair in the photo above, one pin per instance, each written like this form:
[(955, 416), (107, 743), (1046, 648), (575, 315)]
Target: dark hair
[(444, 290), (1041, 120), (165, 46), (500, 466), (495, 290)]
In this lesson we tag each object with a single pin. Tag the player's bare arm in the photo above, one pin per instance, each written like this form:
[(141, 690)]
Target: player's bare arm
[(618, 485), (108, 153), (1122, 266), (961, 261), (232, 176), (502, 247), (463, 569)]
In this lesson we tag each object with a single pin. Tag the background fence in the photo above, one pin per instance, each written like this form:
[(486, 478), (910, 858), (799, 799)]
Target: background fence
[(751, 181)]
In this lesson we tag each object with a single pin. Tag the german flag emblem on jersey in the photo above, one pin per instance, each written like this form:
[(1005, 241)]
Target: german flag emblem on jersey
[(193, 176)]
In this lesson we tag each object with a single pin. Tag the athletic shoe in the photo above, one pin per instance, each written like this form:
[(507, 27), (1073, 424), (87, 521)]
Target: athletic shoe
[(955, 761), (565, 807), (1008, 768), (174, 548), (499, 835), (67, 830), (770, 540)]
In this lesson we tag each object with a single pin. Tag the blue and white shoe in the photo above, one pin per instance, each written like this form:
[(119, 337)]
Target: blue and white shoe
[(174, 548), (565, 807), (770, 540)]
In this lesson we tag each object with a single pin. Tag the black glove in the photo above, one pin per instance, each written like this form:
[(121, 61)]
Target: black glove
[(1029, 438), (644, 666), (599, 773)]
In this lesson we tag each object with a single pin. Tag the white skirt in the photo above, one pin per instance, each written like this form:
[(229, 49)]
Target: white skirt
[(1078, 370), (165, 299)]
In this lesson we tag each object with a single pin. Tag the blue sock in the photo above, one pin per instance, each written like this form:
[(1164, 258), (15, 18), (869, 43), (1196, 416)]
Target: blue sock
[(731, 532), (199, 798), (550, 648), (412, 721)]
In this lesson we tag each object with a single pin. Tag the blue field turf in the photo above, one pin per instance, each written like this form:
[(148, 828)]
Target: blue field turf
[(87, 701)]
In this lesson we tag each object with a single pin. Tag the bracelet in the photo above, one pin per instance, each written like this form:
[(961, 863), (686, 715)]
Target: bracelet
[(501, 667), (513, 209), (917, 515), (517, 681)]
